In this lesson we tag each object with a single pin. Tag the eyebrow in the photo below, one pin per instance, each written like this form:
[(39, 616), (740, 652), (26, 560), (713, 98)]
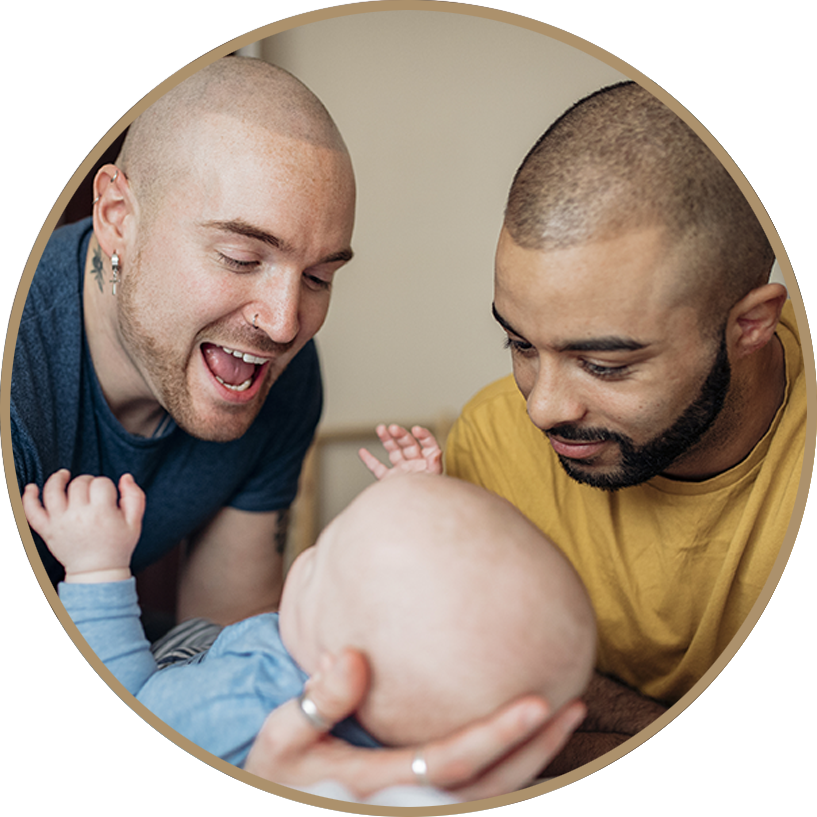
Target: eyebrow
[(608, 343), (240, 227)]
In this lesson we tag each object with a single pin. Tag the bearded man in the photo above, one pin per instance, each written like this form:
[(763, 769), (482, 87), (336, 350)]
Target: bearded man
[(654, 426)]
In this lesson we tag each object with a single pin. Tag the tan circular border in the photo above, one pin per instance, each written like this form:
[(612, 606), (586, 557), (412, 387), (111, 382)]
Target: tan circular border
[(745, 743)]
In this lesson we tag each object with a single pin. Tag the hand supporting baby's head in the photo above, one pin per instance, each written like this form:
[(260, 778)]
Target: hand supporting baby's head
[(459, 603)]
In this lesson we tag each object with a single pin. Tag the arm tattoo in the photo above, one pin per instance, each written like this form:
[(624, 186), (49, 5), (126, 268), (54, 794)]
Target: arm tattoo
[(98, 270), (281, 531)]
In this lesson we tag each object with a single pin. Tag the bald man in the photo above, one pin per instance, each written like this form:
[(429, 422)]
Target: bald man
[(654, 424), (170, 337)]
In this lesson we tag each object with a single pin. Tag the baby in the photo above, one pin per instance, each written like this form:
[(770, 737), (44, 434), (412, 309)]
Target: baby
[(458, 602)]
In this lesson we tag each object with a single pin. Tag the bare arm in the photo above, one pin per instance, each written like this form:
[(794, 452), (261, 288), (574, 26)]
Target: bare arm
[(234, 567), (614, 714)]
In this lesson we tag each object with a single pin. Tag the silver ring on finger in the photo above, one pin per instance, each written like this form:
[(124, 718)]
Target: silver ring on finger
[(311, 713), (419, 769)]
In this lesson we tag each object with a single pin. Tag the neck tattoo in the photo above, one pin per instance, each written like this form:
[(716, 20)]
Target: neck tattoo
[(98, 270)]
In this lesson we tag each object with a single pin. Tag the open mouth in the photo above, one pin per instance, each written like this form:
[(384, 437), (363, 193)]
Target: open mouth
[(235, 370)]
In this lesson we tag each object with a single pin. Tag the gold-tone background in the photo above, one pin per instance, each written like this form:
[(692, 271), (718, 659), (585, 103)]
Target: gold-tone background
[(745, 743)]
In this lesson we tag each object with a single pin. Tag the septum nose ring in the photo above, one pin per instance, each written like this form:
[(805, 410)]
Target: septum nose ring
[(255, 321)]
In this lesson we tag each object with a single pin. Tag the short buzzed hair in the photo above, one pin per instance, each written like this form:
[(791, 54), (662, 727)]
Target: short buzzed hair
[(251, 91), (620, 160)]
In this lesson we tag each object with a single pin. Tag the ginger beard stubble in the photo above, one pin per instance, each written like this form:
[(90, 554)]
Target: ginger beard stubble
[(173, 367)]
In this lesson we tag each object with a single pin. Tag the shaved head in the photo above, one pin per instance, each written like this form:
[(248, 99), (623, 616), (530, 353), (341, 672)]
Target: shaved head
[(253, 93), (620, 160)]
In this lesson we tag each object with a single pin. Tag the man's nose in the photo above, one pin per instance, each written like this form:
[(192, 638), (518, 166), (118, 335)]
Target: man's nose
[(277, 306), (553, 400)]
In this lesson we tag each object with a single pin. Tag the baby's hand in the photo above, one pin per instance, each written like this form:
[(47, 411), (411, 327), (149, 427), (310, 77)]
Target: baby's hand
[(409, 452), (84, 527)]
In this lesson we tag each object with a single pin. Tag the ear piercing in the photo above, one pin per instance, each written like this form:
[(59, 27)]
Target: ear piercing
[(115, 270), (113, 179)]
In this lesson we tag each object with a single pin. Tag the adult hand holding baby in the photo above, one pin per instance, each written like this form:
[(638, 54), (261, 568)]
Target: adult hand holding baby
[(494, 756)]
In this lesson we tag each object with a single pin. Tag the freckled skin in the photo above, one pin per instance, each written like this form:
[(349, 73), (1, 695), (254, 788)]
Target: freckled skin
[(179, 292)]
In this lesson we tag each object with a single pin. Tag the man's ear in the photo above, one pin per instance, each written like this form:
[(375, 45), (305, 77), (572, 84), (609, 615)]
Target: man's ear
[(753, 319), (113, 209)]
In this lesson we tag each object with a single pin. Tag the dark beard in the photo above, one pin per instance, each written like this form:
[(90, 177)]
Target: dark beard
[(640, 463)]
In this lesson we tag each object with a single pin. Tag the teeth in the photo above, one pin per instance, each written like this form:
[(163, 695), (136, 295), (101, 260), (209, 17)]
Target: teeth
[(242, 387), (247, 358), (251, 358)]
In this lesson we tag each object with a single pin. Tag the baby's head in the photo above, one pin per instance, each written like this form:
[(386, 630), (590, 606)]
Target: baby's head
[(459, 603)]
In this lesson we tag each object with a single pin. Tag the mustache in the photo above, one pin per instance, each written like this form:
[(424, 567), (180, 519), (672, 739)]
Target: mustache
[(578, 434)]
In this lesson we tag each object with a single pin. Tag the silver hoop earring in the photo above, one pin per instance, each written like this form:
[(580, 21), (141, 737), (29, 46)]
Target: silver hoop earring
[(115, 270)]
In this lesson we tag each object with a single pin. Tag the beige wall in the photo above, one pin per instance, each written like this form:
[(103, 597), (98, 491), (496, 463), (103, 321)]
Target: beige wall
[(438, 110)]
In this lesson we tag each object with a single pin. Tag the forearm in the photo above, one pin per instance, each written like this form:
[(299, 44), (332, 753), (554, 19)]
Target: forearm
[(107, 616), (234, 569)]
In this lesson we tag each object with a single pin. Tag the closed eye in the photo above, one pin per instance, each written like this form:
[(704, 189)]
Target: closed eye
[(605, 372), (235, 264), (521, 347), (314, 282)]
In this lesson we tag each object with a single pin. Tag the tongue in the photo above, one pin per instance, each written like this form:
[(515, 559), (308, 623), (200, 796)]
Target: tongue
[(231, 369)]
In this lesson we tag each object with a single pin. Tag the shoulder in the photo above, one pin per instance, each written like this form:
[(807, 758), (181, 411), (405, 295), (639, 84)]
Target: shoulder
[(497, 412), (789, 333), (501, 395), (58, 275), (45, 379), (257, 641), (494, 443)]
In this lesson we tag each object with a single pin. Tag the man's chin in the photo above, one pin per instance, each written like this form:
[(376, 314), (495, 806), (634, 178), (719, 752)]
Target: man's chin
[(219, 427), (605, 478)]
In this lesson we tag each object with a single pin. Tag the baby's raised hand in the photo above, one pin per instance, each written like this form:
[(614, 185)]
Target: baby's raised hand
[(87, 530), (409, 452)]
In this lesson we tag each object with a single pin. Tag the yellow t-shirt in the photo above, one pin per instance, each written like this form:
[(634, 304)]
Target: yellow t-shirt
[(672, 567)]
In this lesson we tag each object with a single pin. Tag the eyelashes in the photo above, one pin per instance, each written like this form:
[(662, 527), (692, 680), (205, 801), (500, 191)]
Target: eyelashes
[(524, 349), (520, 346), (233, 264)]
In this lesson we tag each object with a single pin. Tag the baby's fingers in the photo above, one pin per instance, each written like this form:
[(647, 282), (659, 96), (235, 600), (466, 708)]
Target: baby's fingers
[(101, 491), (385, 435), (79, 490), (132, 500), (425, 438), (35, 513), (405, 445), (373, 464), (54, 497)]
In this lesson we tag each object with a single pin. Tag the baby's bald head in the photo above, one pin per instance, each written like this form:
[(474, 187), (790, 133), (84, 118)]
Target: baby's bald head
[(458, 601)]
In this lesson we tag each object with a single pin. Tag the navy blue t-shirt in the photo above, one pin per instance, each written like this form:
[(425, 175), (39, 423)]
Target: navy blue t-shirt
[(60, 419)]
